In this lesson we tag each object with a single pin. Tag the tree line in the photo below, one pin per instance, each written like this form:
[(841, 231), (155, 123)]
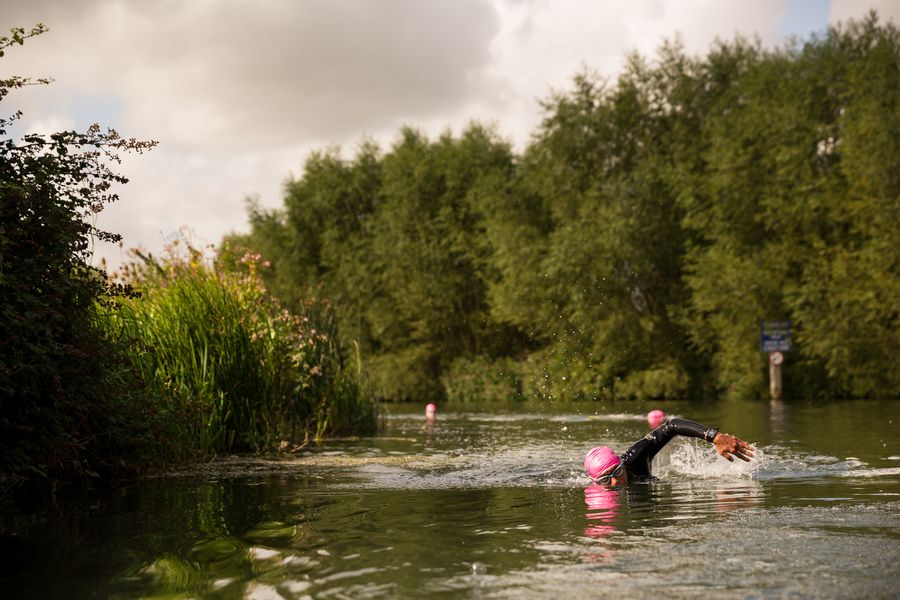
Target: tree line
[(631, 249)]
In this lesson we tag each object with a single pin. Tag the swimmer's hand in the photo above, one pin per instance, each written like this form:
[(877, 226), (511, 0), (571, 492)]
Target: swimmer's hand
[(730, 446)]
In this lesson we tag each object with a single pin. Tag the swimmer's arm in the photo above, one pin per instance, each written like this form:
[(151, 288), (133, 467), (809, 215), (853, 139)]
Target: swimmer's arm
[(691, 429), (726, 445)]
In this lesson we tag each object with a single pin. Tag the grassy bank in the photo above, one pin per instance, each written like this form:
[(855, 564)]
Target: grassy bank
[(231, 369)]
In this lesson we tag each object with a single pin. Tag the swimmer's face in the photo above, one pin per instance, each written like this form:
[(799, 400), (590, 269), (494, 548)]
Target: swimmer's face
[(614, 476)]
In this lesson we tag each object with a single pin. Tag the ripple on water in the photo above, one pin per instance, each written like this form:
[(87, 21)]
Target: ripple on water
[(750, 552), (493, 507)]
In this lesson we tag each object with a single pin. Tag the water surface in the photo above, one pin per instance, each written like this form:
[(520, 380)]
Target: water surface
[(492, 502)]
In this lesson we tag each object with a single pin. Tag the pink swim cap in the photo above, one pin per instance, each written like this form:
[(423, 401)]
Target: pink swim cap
[(430, 408), (598, 460), (656, 418)]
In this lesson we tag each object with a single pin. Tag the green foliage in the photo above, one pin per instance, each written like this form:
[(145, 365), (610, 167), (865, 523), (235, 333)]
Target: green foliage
[(236, 371), (846, 296), (468, 380), (555, 373), (795, 215), (633, 247), (70, 406), (430, 254), (612, 264), (395, 241), (662, 381)]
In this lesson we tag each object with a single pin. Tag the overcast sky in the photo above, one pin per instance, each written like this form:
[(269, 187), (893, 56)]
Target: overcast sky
[(238, 92)]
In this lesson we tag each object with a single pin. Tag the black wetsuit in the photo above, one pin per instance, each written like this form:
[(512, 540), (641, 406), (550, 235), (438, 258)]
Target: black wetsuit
[(637, 458)]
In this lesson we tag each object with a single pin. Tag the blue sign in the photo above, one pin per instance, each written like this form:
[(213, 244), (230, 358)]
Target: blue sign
[(775, 336)]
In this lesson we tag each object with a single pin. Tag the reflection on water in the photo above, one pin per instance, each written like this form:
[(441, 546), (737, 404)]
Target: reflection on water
[(731, 496), (778, 413), (603, 506), (494, 504)]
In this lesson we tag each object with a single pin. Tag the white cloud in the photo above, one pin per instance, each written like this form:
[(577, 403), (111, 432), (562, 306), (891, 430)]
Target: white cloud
[(205, 193), (239, 92), (235, 75), (50, 124), (543, 43), (842, 10)]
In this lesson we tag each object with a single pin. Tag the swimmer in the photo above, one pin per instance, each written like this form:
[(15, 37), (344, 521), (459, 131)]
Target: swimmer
[(430, 410), (655, 418), (603, 465)]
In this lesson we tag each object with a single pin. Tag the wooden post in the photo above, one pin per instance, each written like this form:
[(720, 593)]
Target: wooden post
[(775, 381), (775, 338), (775, 360)]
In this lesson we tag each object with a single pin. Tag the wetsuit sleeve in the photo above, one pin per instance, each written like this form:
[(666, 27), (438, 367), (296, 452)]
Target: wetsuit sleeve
[(637, 458)]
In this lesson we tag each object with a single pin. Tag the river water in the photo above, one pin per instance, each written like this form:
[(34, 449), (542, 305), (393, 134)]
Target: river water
[(492, 502)]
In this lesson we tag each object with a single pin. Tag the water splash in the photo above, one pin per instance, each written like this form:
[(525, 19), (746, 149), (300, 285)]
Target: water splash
[(700, 461), (774, 462)]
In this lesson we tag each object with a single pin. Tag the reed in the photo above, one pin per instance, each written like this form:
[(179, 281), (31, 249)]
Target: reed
[(233, 370)]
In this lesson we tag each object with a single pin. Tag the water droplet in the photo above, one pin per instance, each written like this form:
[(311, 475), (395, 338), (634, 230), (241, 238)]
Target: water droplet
[(478, 568)]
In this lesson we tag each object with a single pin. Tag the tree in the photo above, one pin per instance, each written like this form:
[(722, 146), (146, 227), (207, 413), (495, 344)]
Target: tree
[(612, 261), (431, 259), (793, 211), (845, 296), (637, 242), (58, 375)]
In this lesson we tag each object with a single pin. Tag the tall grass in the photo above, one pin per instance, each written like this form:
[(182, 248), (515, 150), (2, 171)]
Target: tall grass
[(234, 371)]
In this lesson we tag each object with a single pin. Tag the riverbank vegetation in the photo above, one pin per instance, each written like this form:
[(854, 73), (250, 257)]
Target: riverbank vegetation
[(181, 358), (633, 247), (68, 404), (231, 369)]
